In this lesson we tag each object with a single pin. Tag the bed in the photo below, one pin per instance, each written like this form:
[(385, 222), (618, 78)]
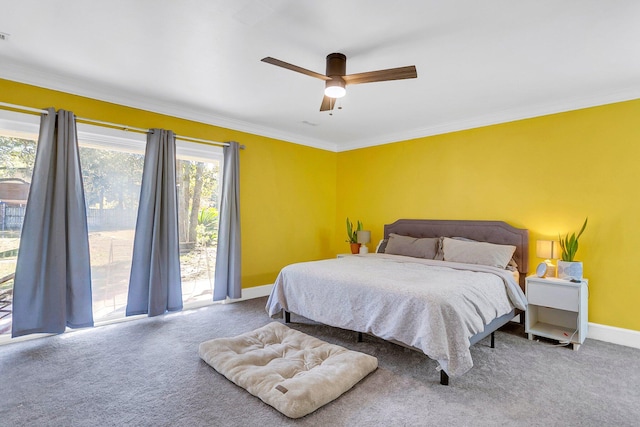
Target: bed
[(438, 286)]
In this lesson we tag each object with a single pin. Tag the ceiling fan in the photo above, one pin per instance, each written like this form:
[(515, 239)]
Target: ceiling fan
[(336, 78)]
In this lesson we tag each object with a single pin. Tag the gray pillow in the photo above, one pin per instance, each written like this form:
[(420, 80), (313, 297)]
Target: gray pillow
[(381, 246), (482, 253), (439, 253), (412, 246), (512, 265)]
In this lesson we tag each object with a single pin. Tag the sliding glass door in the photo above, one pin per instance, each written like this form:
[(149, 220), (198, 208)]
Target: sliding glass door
[(17, 157), (112, 162), (111, 177), (198, 170), (112, 174)]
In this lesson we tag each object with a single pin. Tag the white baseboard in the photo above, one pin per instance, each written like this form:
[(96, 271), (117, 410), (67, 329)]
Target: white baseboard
[(250, 293), (626, 337)]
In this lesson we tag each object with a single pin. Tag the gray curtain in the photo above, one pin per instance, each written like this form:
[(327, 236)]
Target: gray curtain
[(154, 285), (52, 286), (227, 280)]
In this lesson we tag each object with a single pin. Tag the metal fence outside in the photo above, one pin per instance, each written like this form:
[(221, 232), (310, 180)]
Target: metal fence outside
[(12, 217)]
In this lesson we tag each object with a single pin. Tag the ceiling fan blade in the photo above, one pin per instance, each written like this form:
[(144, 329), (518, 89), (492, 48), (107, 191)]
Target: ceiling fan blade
[(400, 73), (274, 61), (327, 103)]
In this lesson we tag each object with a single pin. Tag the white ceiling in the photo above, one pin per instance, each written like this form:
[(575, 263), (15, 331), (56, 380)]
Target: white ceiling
[(478, 62)]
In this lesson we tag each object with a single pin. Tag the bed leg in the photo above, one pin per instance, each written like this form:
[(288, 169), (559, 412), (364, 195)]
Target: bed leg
[(287, 317), (493, 340), (444, 378), (359, 336)]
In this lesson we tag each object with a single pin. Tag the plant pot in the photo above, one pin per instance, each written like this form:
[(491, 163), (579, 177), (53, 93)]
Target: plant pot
[(570, 270), (355, 248)]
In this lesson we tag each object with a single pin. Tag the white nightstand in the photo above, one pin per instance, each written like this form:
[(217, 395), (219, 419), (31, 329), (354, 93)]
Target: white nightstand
[(557, 309)]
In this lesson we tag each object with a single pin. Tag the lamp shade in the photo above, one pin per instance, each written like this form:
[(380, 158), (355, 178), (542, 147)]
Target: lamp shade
[(364, 236), (548, 249)]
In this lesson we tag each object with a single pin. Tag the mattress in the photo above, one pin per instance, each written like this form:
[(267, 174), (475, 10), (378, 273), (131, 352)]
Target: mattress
[(435, 306)]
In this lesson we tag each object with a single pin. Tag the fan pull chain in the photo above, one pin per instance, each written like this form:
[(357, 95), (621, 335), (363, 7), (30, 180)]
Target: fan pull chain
[(332, 103)]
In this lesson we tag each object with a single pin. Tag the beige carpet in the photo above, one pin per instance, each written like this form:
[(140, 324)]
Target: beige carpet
[(287, 369)]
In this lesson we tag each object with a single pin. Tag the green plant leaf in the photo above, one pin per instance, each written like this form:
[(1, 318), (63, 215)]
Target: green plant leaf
[(353, 233), (583, 227), (349, 231), (569, 244)]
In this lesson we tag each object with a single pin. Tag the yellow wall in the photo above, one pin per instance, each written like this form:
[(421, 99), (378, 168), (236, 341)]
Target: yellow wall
[(545, 174), (288, 191)]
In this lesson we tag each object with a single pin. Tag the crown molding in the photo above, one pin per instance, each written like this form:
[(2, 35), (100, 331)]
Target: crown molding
[(22, 74), (505, 116)]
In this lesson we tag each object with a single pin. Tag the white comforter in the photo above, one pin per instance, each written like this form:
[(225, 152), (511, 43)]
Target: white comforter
[(435, 306)]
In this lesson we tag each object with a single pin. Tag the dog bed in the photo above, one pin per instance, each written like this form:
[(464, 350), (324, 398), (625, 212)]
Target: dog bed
[(287, 369)]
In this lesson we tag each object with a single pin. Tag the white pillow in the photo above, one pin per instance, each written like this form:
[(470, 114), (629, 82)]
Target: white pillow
[(482, 253)]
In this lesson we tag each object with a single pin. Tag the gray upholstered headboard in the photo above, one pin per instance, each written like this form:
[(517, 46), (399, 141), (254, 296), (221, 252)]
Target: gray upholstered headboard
[(498, 232)]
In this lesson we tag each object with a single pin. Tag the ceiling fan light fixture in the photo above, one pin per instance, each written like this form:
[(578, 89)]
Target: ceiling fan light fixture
[(334, 88), (336, 77)]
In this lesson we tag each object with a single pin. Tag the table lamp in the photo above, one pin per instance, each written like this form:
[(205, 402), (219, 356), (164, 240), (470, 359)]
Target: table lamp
[(364, 237), (548, 249)]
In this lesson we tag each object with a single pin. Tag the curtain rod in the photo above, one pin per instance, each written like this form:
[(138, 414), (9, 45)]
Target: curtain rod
[(114, 125)]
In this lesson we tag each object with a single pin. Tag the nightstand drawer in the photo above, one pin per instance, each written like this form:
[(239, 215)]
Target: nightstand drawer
[(553, 295)]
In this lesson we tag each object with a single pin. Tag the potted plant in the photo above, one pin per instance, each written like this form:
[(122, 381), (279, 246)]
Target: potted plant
[(568, 267), (353, 236)]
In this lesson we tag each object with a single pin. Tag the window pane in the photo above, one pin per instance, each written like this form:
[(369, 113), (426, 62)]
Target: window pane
[(112, 164), (112, 191), (198, 227), (17, 156)]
